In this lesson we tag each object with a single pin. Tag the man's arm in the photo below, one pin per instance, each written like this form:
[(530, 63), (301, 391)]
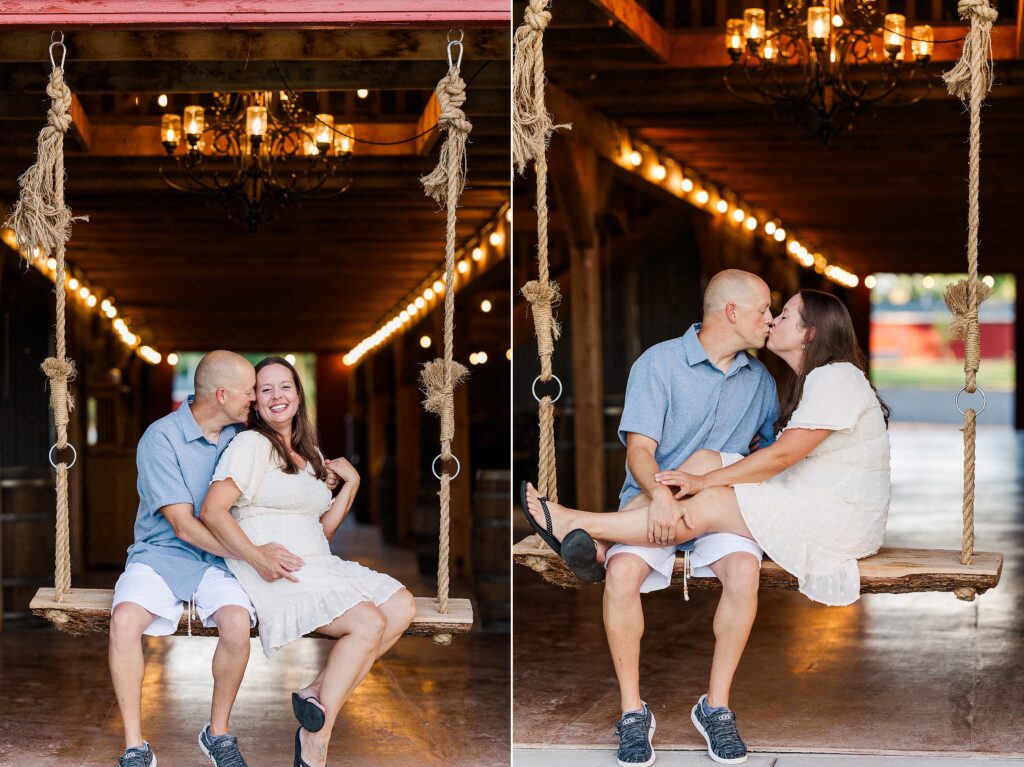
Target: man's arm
[(663, 514), (192, 530)]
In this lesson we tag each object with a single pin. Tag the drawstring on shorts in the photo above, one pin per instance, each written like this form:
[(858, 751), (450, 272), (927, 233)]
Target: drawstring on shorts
[(686, 575)]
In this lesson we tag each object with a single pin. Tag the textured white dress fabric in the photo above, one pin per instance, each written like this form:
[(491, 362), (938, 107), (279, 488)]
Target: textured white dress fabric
[(819, 517), (275, 507)]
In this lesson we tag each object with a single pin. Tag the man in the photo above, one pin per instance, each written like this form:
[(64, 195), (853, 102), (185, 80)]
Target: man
[(176, 561), (697, 391)]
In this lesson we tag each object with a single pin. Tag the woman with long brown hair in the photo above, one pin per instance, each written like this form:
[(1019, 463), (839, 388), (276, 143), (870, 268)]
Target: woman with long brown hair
[(269, 505), (816, 500)]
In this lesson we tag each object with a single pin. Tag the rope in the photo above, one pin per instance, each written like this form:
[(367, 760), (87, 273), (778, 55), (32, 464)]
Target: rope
[(970, 81), (532, 127), (439, 377), (41, 219)]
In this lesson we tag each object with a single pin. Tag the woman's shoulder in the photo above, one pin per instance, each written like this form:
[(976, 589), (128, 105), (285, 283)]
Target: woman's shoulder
[(836, 372), (250, 441)]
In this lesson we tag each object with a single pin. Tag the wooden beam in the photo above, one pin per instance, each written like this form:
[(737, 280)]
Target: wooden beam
[(429, 117), (80, 122), (158, 14), (257, 45), (210, 76), (1020, 29), (640, 25)]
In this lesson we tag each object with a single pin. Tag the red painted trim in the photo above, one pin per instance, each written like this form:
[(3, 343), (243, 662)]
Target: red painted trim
[(155, 14)]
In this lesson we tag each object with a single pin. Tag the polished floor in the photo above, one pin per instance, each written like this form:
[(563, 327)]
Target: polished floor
[(922, 673), (420, 705)]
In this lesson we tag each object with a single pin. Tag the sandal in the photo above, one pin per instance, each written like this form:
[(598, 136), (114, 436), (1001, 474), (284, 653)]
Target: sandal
[(580, 553), (298, 751), (310, 716), (545, 535)]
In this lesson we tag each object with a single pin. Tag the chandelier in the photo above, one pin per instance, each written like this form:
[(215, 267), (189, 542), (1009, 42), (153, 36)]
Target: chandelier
[(256, 154), (825, 65)]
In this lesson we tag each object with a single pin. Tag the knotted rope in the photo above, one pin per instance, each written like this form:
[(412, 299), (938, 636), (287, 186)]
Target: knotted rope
[(41, 219), (532, 127), (439, 377), (970, 81)]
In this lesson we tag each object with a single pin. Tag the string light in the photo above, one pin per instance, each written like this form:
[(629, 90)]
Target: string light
[(425, 342), (172, 359), (738, 215), (162, 99), (703, 196), (686, 185), (721, 206), (635, 158), (478, 253), (463, 266), (485, 306), (362, 93), (496, 238), (659, 172), (290, 358)]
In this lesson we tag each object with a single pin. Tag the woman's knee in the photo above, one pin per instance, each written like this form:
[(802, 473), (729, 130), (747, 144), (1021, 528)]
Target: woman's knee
[(404, 608), (702, 461), (369, 623)]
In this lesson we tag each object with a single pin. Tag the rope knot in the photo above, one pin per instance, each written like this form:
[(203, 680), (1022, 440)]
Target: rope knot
[(979, 8), (537, 15), (451, 95), (60, 372), (446, 182), (971, 78)]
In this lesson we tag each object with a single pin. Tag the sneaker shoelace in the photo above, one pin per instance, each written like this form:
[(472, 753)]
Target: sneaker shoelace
[(632, 732), (133, 757), (225, 750), (725, 737)]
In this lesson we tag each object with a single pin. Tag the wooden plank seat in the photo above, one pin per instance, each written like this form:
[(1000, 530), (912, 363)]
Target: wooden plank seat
[(88, 610), (890, 571)]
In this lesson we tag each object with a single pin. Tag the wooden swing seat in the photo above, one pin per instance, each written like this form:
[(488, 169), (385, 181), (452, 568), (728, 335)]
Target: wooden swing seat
[(890, 571), (85, 611)]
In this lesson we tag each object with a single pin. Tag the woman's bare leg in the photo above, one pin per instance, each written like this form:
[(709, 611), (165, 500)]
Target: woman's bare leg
[(710, 511)]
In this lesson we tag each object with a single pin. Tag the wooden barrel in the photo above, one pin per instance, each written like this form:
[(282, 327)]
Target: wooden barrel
[(492, 546), (27, 514)]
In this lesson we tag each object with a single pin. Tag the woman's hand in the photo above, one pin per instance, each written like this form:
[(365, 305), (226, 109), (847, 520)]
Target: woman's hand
[(343, 469), (688, 484)]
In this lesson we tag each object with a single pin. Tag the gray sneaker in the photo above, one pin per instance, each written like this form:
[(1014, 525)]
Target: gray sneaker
[(222, 750), (635, 731), (138, 757), (725, 745)]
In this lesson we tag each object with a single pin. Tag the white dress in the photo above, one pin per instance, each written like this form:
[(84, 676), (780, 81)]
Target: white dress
[(817, 518), (275, 507)]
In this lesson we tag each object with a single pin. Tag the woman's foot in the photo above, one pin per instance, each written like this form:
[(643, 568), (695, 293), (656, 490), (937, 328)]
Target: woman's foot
[(308, 709), (561, 517), (311, 692), (314, 747)]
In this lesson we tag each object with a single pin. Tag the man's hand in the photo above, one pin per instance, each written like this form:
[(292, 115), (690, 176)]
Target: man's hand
[(273, 561), (663, 516), (687, 484)]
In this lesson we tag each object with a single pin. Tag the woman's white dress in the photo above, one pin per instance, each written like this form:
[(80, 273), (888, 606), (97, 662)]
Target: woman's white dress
[(275, 507), (817, 518)]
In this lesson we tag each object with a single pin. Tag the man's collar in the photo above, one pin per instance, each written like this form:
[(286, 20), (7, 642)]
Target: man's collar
[(695, 354), (189, 427)]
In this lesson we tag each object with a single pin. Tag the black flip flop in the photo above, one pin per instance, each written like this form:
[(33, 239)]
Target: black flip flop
[(580, 553), (310, 716), (546, 535)]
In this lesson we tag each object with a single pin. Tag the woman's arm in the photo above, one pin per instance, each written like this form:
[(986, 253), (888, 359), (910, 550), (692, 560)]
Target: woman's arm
[(271, 560), (339, 508), (792, 447), (187, 527)]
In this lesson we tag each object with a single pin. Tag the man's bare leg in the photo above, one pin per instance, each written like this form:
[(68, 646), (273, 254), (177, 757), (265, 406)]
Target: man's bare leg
[(127, 666), (229, 662), (624, 623), (740, 574)]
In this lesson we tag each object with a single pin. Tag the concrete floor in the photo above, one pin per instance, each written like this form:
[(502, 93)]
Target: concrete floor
[(526, 757), (922, 673), (420, 705)]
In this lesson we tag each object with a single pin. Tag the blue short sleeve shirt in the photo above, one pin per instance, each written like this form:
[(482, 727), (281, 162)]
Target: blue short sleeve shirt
[(678, 398), (176, 463)]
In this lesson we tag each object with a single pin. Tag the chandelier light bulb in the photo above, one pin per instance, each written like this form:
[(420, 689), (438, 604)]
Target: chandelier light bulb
[(753, 26), (162, 99), (837, 21), (895, 30), (921, 44), (734, 38), (481, 358), (818, 22)]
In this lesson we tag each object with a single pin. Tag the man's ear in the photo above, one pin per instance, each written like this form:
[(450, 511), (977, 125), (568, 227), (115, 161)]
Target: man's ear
[(222, 396), (730, 312)]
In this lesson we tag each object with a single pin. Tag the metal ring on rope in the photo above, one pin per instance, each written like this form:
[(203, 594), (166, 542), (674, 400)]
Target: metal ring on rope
[(63, 49), (462, 49), (458, 466), (534, 389), (71, 447), (984, 400)]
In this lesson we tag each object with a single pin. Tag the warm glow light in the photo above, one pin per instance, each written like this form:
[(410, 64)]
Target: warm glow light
[(686, 185), (635, 158), (751, 223), (721, 206), (290, 358), (818, 20), (496, 238), (403, 316), (703, 196), (162, 99), (508, 354), (111, 312), (485, 305), (794, 246), (120, 326), (73, 284), (738, 215), (923, 41), (837, 20), (83, 292), (928, 281), (463, 266), (428, 294), (472, 358), (478, 253), (412, 309), (425, 342), (734, 36), (90, 301), (508, 215), (780, 235), (324, 126), (51, 263), (172, 359), (870, 281), (989, 280), (438, 286), (255, 120), (895, 28), (753, 25), (770, 228), (420, 303), (771, 49), (105, 305), (362, 93), (481, 357), (659, 172)]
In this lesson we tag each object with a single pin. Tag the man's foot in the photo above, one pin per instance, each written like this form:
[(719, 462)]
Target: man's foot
[(138, 757), (636, 731), (222, 750), (561, 517), (718, 726)]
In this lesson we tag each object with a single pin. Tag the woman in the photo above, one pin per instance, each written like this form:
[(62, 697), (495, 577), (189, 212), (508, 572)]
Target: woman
[(269, 504), (816, 500)]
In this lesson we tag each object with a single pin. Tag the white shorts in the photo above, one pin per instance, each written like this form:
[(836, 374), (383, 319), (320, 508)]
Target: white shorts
[(707, 550), (142, 585)]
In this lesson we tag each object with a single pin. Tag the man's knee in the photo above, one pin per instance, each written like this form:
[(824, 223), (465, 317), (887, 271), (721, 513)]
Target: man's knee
[(625, 574), (233, 624), (740, 574), (127, 622)]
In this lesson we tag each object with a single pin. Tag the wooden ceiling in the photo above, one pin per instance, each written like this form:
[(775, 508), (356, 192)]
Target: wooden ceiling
[(321, 277), (890, 196)]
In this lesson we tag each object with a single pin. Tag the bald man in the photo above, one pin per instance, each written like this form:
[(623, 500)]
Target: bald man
[(175, 561), (697, 391)]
